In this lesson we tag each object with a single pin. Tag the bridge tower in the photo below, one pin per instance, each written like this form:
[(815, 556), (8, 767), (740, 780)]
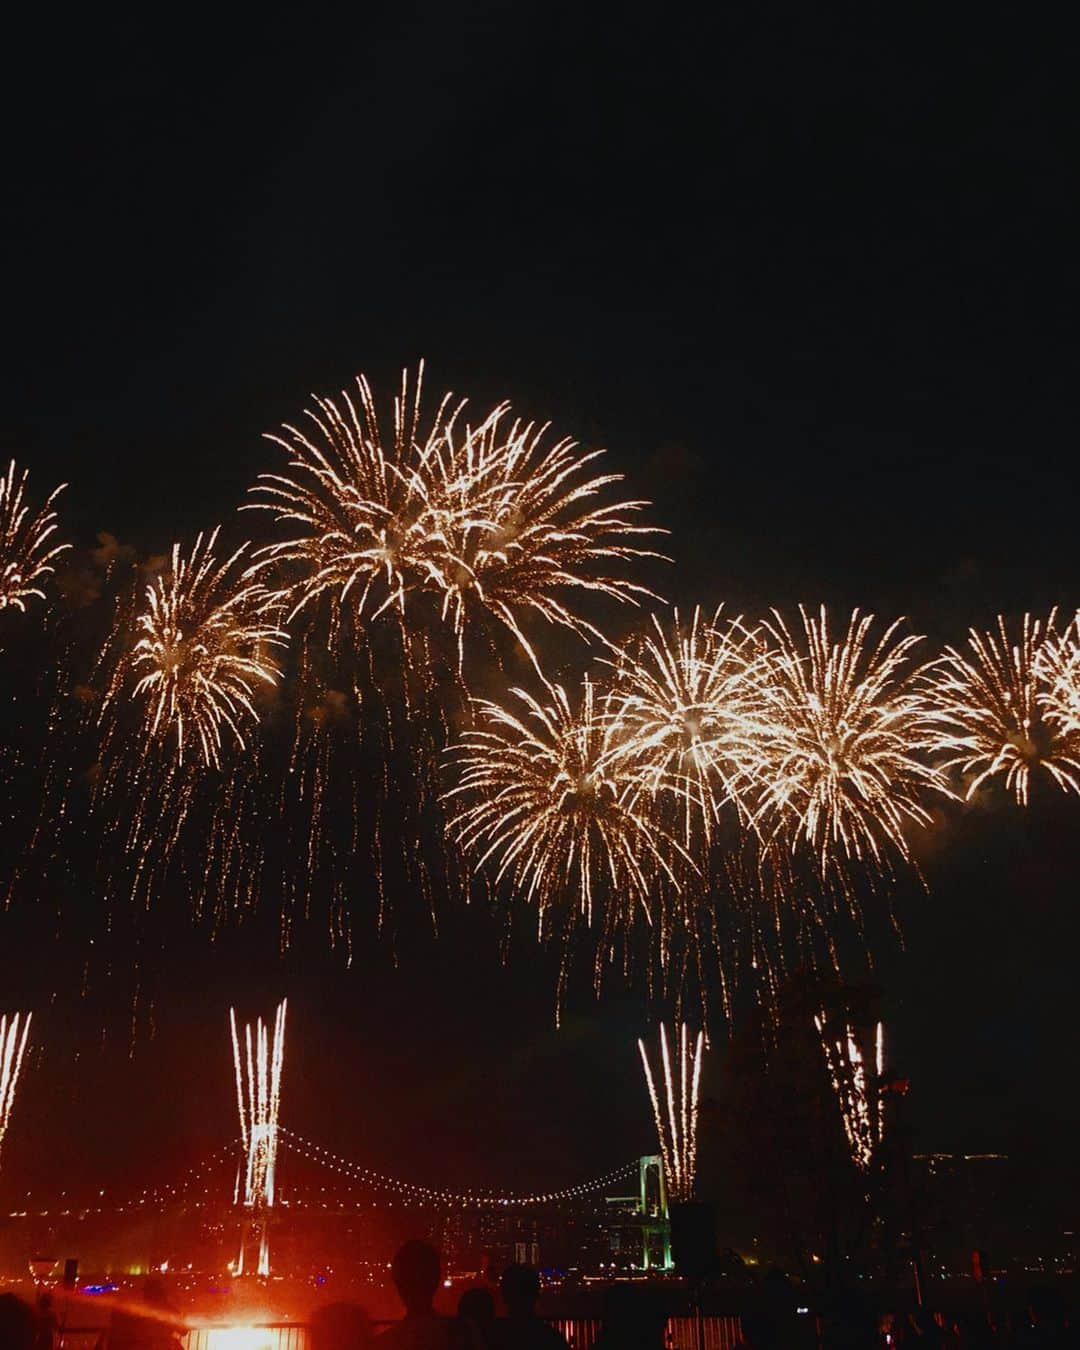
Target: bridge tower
[(653, 1216)]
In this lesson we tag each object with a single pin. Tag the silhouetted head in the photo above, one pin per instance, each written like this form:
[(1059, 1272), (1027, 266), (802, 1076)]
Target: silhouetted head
[(16, 1323), (415, 1272), (848, 1322), (634, 1318), (520, 1286), (759, 1329), (477, 1305), (340, 1326)]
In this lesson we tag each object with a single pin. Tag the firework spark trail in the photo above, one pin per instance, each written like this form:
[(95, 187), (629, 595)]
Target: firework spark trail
[(520, 530), (258, 1062), (366, 508), (1057, 670), (858, 1097), (13, 1042), (541, 797), (677, 1117), (486, 518), (27, 550), (843, 764), (686, 700), (999, 710), (206, 640)]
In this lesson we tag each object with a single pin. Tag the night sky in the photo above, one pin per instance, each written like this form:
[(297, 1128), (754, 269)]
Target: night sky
[(811, 279)]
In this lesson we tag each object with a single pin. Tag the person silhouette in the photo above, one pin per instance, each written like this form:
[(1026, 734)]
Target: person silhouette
[(634, 1319), (476, 1320), (415, 1271), (46, 1322), (154, 1324), (340, 1326), (521, 1329), (17, 1324)]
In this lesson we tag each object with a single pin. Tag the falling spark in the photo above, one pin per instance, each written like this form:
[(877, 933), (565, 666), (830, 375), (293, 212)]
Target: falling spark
[(1004, 710), (843, 745), (27, 548), (541, 797), (484, 518), (858, 1096), (258, 1061), (13, 1043), (206, 642), (677, 1117)]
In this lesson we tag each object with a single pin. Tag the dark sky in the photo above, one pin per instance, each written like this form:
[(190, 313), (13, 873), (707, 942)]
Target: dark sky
[(810, 276)]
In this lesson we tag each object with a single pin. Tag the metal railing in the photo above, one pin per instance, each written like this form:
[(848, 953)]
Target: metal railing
[(580, 1333)]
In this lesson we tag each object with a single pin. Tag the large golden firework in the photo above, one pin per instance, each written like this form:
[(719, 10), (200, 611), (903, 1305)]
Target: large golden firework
[(28, 549), (206, 640), (364, 508), (485, 518), (541, 796), (1003, 708), (524, 528), (686, 699), (841, 764)]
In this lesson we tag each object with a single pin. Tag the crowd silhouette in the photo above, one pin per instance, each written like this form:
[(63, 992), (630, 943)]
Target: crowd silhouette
[(635, 1317)]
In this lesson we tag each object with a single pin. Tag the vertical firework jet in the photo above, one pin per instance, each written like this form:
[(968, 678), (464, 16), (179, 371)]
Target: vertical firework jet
[(858, 1094), (677, 1116), (13, 1043), (258, 1062)]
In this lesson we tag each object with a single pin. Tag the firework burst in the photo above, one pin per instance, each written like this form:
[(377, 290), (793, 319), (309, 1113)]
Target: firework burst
[(1057, 668), (14, 1038), (677, 1116), (365, 508), (1004, 709), (482, 519), (685, 699), (206, 642), (841, 765), (525, 528), (542, 798), (28, 550)]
